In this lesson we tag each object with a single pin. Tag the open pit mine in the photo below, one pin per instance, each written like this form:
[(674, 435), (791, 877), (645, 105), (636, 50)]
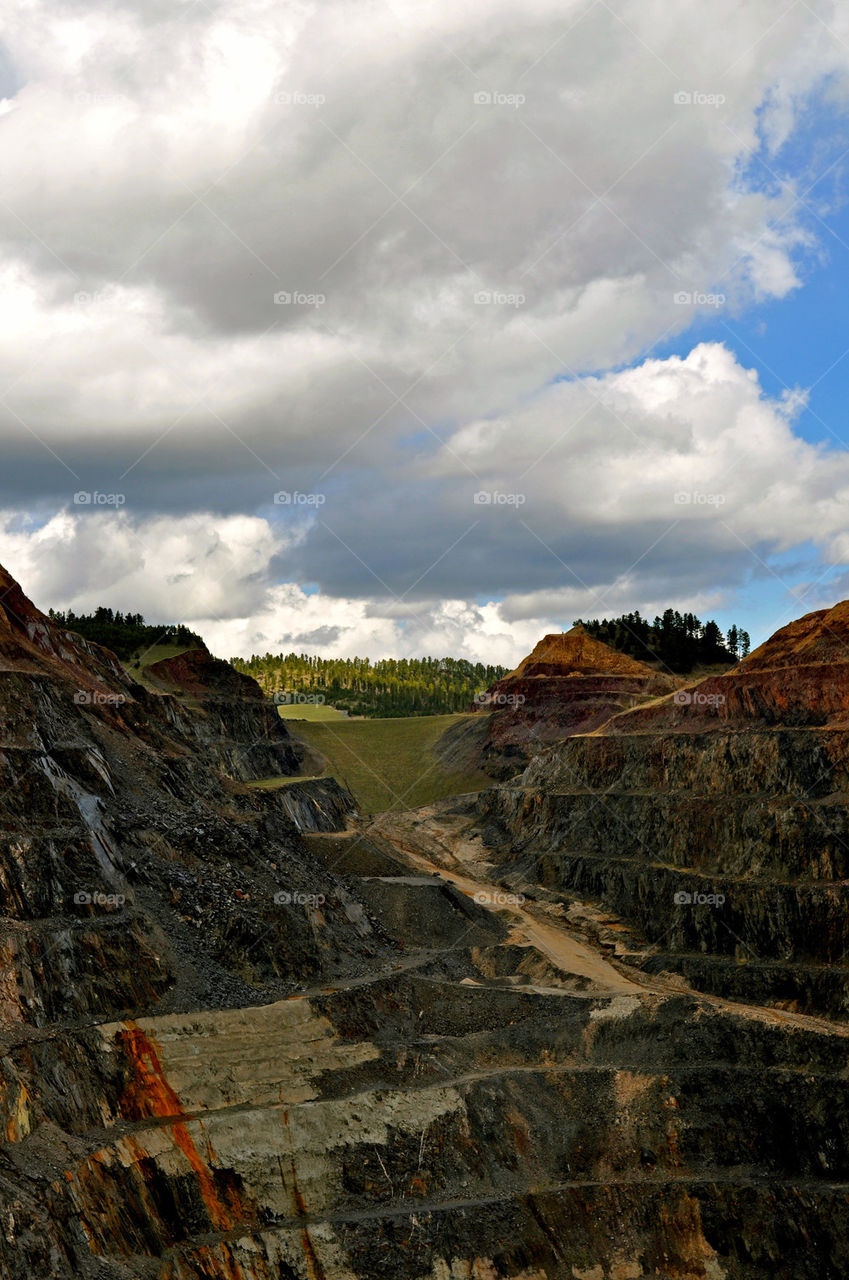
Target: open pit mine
[(590, 1024)]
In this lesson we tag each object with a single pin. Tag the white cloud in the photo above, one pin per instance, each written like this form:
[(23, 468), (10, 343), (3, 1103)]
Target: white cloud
[(169, 169), (692, 472)]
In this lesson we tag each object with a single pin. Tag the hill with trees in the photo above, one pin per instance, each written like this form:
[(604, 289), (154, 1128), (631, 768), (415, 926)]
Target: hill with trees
[(125, 634), (389, 687), (677, 641)]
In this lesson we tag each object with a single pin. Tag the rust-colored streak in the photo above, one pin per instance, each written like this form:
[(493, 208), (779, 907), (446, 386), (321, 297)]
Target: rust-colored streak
[(315, 1271), (148, 1093), (218, 1215)]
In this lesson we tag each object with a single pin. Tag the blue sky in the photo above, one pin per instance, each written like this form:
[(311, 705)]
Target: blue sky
[(800, 341)]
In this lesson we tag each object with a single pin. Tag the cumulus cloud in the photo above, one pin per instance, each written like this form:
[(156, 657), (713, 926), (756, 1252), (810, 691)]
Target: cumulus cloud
[(684, 462), (395, 256)]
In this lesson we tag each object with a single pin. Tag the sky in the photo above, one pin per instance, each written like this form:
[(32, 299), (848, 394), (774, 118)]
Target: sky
[(400, 328)]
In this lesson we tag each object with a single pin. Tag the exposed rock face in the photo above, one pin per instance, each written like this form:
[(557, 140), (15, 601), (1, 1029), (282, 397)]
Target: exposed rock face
[(735, 787), (259, 1047), (570, 683), (134, 874), (800, 676), (575, 653), (232, 721)]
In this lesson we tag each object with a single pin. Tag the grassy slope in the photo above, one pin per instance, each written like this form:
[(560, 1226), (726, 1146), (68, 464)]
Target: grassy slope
[(389, 764), (158, 652), (148, 656), (309, 711)]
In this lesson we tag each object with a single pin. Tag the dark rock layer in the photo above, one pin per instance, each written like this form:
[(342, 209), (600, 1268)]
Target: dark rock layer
[(240, 1043), (730, 794)]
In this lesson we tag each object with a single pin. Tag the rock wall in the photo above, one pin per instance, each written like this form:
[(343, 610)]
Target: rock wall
[(224, 715), (238, 1041), (714, 821)]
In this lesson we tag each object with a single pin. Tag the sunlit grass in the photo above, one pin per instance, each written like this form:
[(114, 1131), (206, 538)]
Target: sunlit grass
[(390, 764)]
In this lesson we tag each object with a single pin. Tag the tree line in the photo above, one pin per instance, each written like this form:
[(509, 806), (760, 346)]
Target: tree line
[(678, 641), (386, 688), (125, 633)]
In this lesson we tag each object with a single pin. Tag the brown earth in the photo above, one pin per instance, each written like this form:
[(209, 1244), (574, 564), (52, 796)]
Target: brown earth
[(570, 683), (576, 653)]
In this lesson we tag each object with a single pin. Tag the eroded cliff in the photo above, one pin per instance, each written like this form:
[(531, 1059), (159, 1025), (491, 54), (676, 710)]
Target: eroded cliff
[(245, 1036), (714, 820)]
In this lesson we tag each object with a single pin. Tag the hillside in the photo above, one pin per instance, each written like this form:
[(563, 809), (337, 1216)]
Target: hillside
[(676, 642), (247, 1035), (390, 764), (389, 687), (126, 634), (734, 786), (570, 683), (577, 653)]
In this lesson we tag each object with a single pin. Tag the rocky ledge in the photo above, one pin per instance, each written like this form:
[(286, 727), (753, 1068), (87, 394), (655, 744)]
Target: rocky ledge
[(713, 820), (245, 1036)]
